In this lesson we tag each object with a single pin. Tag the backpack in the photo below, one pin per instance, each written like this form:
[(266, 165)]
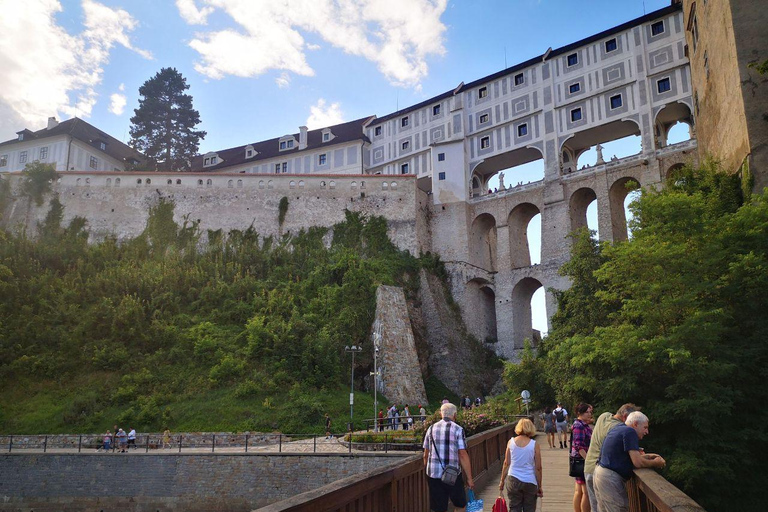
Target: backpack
[(560, 416)]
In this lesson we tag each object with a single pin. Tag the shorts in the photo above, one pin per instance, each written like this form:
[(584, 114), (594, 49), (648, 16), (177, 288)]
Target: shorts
[(549, 429), (439, 493), (562, 426)]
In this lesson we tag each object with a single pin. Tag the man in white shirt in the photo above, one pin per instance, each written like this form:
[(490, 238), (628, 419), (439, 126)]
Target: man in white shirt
[(561, 423), (132, 438)]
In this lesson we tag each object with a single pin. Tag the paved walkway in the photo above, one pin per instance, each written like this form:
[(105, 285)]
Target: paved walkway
[(558, 486)]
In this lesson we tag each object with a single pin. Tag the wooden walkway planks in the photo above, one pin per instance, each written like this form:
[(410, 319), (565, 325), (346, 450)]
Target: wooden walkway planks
[(558, 486)]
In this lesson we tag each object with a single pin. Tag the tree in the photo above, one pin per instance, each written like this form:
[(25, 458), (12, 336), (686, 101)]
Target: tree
[(163, 127), (674, 320)]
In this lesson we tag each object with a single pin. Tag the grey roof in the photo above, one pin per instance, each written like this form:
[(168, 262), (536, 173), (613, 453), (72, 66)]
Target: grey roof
[(87, 133), (343, 133)]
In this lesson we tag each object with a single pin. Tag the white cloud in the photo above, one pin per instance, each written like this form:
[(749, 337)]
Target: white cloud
[(283, 81), (321, 115), (397, 35), (117, 102), (48, 71), (192, 14)]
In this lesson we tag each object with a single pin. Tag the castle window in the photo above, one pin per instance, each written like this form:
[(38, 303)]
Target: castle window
[(277, 168), (441, 157), (436, 110), (322, 184), (169, 182), (3, 160), (393, 185), (178, 182), (657, 28), (404, 122), (611, 45), (78, 183), (485, 142), (209, 183), (21, 136), (199, 183), (482, 93), (109, 182), (441, 176), (230, 184), (102, 146), (663, 85), (301, 183), (207, 161), (326, 137), (23, 157), (522, 130), (292, 184), (706, 64), (248, 153), (117, 182), (377, 131), (519, 79), (239, 183), (384, 186), (270, 185), (695, 32), (261, 184), (484, 118), (213, 160), (332, 184), (404, 168), (574, 88), (616, 101), (92, 162), (138, 182), (44, 153), (146, 182), (576, 115), (406, 145), (573, 59), (283, 145), (354, 184), (322, 159), (285, 166)]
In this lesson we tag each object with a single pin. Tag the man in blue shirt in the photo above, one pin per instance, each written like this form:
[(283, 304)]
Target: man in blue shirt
[(619, 456)]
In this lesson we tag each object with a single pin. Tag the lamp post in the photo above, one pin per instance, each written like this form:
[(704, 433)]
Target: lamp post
[(375, 373), (354, 349)]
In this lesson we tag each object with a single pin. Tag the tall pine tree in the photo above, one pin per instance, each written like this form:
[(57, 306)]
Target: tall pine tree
[(164, 125)]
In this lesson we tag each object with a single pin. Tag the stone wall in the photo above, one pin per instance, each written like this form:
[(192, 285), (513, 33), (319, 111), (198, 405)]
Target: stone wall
[(189, 482), (398, 361), (228, 201)]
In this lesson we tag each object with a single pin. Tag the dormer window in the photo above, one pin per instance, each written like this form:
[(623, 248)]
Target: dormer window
[(286, 144), (210, 159), (249, 152), (327, 135), (102, 146), (21, 136)]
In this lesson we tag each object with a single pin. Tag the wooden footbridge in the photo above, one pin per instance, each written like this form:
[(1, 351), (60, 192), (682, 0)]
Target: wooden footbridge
[(402, 486)]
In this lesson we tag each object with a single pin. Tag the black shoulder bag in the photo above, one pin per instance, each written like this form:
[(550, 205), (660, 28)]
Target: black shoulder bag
[(575, 463)]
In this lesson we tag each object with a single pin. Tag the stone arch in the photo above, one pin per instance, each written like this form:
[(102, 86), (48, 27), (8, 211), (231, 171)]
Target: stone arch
[(519, 246), (482, 244), (586, 142), (670, 115), (209, 183), (239, 183), (230, 184), (580, 200), (673, 169), (522, 324), (481, 303), (617, 194)]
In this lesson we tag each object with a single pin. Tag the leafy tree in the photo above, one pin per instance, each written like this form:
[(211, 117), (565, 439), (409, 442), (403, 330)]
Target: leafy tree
[(163, 127), (37, 180), (675, 320)]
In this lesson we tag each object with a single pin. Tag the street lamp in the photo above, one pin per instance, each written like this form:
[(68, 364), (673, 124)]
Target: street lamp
[(375, 373), (354, 349)]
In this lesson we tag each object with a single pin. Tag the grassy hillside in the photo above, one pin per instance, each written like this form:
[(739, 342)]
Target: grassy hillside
[(235, 333)]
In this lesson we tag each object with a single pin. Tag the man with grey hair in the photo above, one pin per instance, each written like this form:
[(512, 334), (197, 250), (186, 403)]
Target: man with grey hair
[(603, 425), (619, 456), (445, 445)]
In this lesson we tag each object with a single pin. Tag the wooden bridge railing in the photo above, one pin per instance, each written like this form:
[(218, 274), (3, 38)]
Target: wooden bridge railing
[(398, 487), (651, 492)]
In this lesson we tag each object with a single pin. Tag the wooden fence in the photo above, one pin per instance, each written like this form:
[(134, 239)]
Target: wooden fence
[(398, 487), (651, 492)]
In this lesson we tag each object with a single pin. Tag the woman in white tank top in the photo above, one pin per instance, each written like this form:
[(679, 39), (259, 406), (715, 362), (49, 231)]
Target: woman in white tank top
[(521, 473)]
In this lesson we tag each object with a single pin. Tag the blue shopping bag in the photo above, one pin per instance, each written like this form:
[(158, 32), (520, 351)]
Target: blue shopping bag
[(473, 504)]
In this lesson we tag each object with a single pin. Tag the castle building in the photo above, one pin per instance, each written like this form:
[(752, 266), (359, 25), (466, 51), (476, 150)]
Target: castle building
[(427, 168), (70, 145), (730, 97)]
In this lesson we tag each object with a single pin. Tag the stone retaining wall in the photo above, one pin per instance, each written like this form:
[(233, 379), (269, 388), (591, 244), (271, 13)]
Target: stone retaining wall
[(169, 482)]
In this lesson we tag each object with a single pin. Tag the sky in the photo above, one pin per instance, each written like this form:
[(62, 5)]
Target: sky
[(258, 69)]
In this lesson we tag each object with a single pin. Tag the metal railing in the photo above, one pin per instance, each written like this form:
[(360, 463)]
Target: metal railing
[(382, 424), (178, 443)]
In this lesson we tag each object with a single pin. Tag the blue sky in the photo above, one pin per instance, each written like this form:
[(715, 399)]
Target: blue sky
[(258, 69)]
